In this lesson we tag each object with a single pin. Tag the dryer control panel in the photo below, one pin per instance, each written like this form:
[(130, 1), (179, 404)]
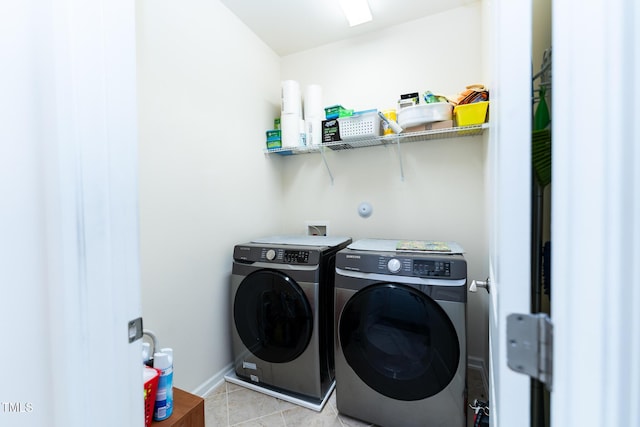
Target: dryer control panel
[(429, 268), (276, 254), (412, 265)]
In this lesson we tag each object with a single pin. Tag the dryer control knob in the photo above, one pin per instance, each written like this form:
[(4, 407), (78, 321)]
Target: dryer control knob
[(394, 265), (271, 254)]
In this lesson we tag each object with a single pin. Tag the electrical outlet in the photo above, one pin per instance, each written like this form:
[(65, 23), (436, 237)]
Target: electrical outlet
[(317, 228)]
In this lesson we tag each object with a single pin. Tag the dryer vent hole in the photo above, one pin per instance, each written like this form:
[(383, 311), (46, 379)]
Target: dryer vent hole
[(316, 230)]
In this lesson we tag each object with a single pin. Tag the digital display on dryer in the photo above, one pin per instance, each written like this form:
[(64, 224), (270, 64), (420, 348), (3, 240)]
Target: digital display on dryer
[(431, 268), (296, 257)]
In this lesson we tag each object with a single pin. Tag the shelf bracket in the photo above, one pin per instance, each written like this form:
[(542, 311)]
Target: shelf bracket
[(324, 159), (400, 160)]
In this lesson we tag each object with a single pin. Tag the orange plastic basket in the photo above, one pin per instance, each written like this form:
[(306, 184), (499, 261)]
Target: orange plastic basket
[(151, 377)]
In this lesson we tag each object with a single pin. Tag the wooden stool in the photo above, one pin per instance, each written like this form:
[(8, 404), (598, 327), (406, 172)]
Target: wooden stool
[(188, 411)]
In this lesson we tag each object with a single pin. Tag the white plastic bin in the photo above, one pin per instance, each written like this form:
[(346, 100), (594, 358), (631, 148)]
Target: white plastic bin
[(363, 124), (424, 113)]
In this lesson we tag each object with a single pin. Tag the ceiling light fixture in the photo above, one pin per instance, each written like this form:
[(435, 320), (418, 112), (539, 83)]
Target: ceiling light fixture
[(356, 11)]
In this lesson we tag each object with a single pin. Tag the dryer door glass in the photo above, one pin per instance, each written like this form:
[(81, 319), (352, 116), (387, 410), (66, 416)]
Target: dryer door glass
[(272, 316), (399, 341)]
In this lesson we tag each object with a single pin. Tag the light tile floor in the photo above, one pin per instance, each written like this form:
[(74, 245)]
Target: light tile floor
[(233, 405)]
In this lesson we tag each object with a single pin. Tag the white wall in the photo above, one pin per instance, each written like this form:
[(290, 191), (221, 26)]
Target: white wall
[(443, 194), (207, 89)]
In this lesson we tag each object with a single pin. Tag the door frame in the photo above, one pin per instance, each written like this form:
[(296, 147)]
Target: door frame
[(596, 214), (509, 204)]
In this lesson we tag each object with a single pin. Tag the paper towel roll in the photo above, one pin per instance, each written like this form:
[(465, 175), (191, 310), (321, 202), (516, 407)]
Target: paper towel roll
[(291, 99), (313, 130), (313, 102), (290, 130)]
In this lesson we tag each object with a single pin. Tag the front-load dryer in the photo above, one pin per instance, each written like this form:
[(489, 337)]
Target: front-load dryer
[(282, 291), (401, 334)]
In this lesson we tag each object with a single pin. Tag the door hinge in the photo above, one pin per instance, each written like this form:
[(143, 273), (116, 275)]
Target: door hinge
[(530, 346)]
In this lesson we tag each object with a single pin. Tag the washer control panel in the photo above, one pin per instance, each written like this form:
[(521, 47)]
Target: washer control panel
[(412, 265), (286, 256)]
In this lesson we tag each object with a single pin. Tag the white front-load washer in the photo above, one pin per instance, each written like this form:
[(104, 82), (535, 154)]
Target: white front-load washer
[(282, 291), (401, 336)]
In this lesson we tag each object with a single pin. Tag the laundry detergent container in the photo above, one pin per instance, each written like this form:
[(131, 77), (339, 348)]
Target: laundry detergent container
[(424, 113)]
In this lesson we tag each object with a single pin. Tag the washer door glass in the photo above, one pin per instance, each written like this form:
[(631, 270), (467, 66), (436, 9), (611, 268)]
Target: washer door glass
[(399, 341), (272, 316)]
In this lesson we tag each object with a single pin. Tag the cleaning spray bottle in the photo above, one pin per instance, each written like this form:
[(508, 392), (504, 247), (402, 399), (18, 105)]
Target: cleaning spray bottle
[(163, 361)]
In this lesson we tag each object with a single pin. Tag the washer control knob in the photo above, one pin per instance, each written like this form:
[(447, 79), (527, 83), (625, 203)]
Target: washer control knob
[(394, 265), (271, 254)]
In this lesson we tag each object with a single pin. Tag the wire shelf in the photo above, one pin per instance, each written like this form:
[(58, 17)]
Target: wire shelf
[(352, 143)]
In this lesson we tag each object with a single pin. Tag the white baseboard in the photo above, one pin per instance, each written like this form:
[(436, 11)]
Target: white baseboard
[(212, 383), (478, 364)]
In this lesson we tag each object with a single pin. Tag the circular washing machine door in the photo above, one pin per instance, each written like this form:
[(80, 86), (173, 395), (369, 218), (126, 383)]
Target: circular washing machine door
[(272, 316), (399, 341)]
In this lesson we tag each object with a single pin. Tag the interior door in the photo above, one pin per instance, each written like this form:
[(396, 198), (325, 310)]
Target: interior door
[(91, 170), (509, 201), (69, 247)]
